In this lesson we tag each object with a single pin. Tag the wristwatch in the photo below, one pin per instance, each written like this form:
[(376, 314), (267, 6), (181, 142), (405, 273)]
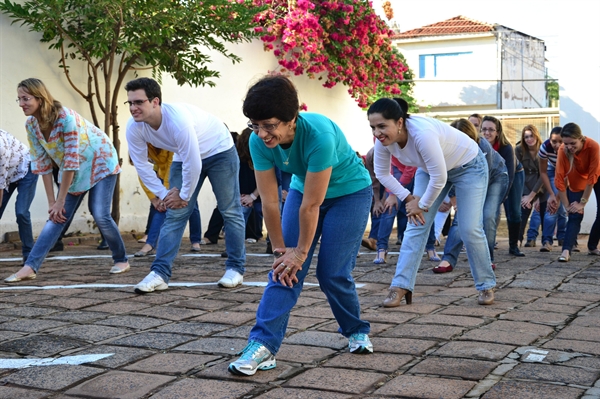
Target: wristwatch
[(254, 197), (423, 207), (583, 201)]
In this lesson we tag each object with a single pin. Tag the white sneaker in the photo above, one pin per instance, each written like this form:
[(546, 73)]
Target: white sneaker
[(152, 282), (250, 240), (231, 279)]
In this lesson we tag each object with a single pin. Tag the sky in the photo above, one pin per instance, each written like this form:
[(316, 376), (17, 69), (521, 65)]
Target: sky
[(541, 19)]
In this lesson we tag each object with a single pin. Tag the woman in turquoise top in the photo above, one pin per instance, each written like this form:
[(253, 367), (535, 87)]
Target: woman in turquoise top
[(329, 198), (87, 162)]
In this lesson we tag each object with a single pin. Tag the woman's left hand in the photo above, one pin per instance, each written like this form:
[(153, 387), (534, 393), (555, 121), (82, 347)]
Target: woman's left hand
[(57, 212), (526, 202), (286, 266), (576, 207), (413, 212)]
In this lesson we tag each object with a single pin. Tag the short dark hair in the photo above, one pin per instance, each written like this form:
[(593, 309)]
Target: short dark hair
[(556, 130), (390, 108), (272, 97), (150, 86)]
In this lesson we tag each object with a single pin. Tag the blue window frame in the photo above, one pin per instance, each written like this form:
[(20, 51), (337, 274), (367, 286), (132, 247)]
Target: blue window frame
[(436, 65)]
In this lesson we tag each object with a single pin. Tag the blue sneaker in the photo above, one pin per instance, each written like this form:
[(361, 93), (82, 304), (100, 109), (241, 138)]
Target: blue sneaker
[(255, 356), (360, 343)]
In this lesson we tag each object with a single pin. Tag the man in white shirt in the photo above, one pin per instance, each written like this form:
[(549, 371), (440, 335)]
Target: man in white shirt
[(203, 148), (15, 174)]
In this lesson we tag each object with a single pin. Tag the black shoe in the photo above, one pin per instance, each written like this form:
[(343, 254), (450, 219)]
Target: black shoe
[(269, 248), (515, 251), (560, 243), (103, 245), (59, 246), (530, 244), (224, 254)]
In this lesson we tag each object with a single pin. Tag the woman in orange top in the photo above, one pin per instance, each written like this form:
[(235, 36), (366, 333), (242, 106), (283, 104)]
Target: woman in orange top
[(577, 172)]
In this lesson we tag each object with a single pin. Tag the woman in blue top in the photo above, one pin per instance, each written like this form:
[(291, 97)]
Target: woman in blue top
[(329, 198)]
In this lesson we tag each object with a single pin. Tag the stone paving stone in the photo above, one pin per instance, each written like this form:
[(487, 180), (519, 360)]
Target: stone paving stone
[(245, 307), (439, 299), (31, 325), (564, 344), (225, 346), (500, 337), (171, 363), (303, 354), (461, 321), (109, 295), (339, 380), (91, 333), (236, 332), (153, 340), (481, 311), (120, 384), (410, 330), (77, 316), (20, 393), (162, 299), (51, 377), (382, 362), (520, 327), (135, 322), (118, 307), (72, 303), (554, 299), (529, 390), (120, 355), (224, 317), (584, 361), (195, 388), (410, 386), (170, 312), (245, 297), (467, 369), (414, 347), (35, 299), (39, 345), (388, 317), (571, 332), (553, 373), (5, 319), (293, 393), (476, 350), (7, 335), (574, 287), (318, 338), (415, 307), (582, 296), (205, 304), (586, 321), (27, 311), (550, 307), (192, 328), (548, 318), (536, 282), (321, 312), (220, 371), (304, 323)]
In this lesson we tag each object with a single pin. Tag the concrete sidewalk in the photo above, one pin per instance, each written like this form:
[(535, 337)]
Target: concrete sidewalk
[(540, 339)]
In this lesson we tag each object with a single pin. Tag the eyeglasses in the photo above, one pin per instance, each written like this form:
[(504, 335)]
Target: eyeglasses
[(488, 129), (527, 137), (137, 103), (23, 99), (267, 127)]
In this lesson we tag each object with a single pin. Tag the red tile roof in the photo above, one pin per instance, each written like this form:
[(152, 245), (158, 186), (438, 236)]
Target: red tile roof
[(452, 26)]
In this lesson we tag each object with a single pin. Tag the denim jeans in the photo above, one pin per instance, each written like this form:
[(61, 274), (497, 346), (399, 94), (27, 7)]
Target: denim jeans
[(26, 188), (99, 202), (556, 221), (382, 225), (512, 204), (535, 221), (594, 237), (495, 193), (341, 224), (222, 170), (471, 183), (573, 221), (158, 220), (247, 211), (525, 213)]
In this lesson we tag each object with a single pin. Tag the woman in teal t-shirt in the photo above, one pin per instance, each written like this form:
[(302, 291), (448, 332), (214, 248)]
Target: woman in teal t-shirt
[(329, 198)]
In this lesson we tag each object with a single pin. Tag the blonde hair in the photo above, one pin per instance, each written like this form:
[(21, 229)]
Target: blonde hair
[(49, 107), (536, 133), (573, 131), (467, 128)]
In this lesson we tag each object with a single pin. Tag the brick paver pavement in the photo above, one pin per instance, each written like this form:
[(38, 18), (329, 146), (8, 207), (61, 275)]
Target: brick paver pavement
[(540, 339)]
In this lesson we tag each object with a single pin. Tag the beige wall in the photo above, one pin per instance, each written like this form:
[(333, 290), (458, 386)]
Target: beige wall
[(224, 100)]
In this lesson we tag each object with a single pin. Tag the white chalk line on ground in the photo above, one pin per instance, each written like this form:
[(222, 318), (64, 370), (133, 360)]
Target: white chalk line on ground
[(49, 361)]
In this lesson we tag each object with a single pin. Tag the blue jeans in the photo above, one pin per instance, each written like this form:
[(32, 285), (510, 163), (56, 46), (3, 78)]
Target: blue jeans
[(491, 208), (382, 224), (534, 224), (247, 210), (222, 170), (341, 224), (557, 221), (512, 204), (25, 192), (471, 183), (99, 202), (159, 218)]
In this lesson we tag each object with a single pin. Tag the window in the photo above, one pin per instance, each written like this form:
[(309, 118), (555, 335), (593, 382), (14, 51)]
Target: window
[(443, 65)]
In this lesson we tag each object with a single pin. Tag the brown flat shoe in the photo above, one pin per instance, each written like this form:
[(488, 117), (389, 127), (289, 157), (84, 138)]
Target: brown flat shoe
[(486, 297), (395, 296)]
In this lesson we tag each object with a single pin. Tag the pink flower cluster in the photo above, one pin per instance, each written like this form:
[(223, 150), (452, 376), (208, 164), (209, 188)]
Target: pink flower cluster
[(341, 41)]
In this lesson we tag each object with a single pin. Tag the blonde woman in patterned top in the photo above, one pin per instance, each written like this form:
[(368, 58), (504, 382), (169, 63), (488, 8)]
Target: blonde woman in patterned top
[(15, 174), (87, 163)]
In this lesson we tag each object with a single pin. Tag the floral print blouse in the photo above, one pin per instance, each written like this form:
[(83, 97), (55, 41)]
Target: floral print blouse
[(73, 144), (14, 159)]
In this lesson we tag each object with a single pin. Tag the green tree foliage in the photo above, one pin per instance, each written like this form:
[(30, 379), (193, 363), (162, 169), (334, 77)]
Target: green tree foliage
[(552, 89), (114, 37)]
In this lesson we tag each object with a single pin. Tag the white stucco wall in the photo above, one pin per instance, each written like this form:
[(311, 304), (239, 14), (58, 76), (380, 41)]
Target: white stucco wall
[(224, 101)]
